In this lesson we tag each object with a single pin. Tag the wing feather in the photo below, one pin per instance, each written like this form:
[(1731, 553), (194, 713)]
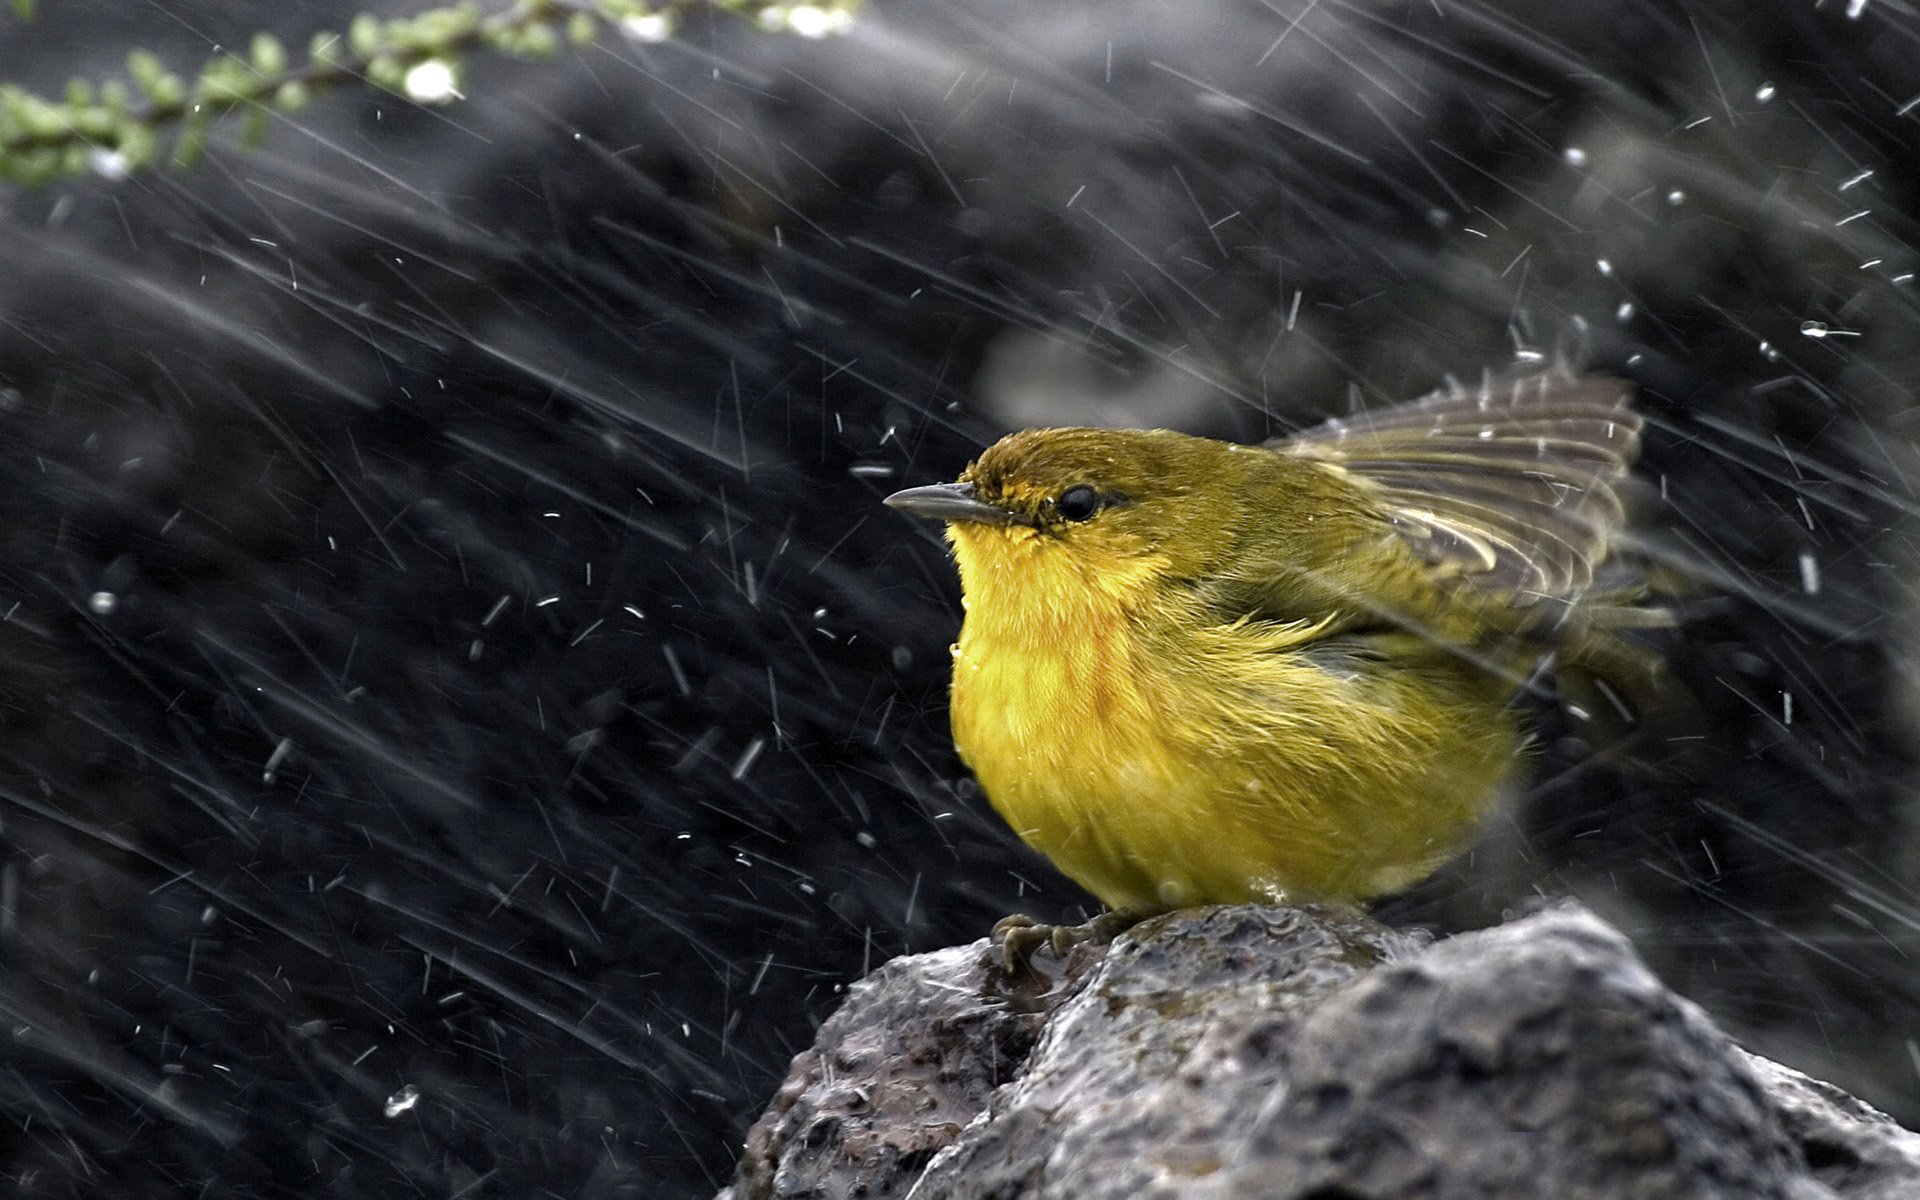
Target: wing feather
[(1510, 483)]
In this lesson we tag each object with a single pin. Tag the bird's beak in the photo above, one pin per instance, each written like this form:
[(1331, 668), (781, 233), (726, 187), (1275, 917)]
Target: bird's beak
[(951, 502)]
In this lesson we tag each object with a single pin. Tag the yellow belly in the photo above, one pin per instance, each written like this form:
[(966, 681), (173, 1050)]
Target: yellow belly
[(1222, 767)]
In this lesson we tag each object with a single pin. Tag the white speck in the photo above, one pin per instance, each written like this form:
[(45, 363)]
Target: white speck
[(1786, 708), (432, 82), (649, 27), (103, 603), (1676, 197), (402, 1101), (1765, 92), (1624, 313), (745, 762), (279, 755), (1855, 8), (1768, 352), (1575, 156), (1486, 435), (109, 164), (1809, 573), (812, 21), (1605, 265), (1820, 329)]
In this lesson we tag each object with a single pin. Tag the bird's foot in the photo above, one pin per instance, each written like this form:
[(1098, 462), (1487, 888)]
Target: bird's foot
[(1020, 937)]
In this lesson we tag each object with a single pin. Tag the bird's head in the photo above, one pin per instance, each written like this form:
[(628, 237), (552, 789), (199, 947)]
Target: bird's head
[(1112, 510)]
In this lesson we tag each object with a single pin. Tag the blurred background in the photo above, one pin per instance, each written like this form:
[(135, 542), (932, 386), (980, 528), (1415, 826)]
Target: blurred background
[(465, 718)]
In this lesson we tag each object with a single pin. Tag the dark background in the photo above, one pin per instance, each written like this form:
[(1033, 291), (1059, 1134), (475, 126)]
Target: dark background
[(454, 664)]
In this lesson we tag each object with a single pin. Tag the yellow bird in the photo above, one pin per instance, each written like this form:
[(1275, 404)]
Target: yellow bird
[(1195, 672)]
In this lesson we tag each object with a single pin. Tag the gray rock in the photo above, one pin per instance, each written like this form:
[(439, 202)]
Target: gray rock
[(908, 1061), (1306, 1054)]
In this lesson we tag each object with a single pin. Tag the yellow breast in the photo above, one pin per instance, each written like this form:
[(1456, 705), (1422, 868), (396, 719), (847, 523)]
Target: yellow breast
[(1162, 761)]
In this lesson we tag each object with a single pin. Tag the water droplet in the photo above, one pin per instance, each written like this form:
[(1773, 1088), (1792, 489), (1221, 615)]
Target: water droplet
[(813, 21), (103, 603), (272, 770), (432, 82), (402, 1101), (1676, 197), (1765, 92), (649, 28), (109, 164), (1575, 156)]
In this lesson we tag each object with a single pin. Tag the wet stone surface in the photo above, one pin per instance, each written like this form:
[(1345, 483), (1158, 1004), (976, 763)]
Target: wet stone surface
[(1304, 1053)]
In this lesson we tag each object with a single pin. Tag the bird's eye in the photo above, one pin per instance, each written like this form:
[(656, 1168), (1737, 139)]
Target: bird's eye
[(1077, 503)]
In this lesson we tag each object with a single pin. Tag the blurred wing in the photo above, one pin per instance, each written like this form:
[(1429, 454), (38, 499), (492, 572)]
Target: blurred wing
[(1509, 483)]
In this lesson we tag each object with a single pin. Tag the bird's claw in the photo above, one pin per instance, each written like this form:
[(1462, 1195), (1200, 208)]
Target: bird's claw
[(1020, 937)]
